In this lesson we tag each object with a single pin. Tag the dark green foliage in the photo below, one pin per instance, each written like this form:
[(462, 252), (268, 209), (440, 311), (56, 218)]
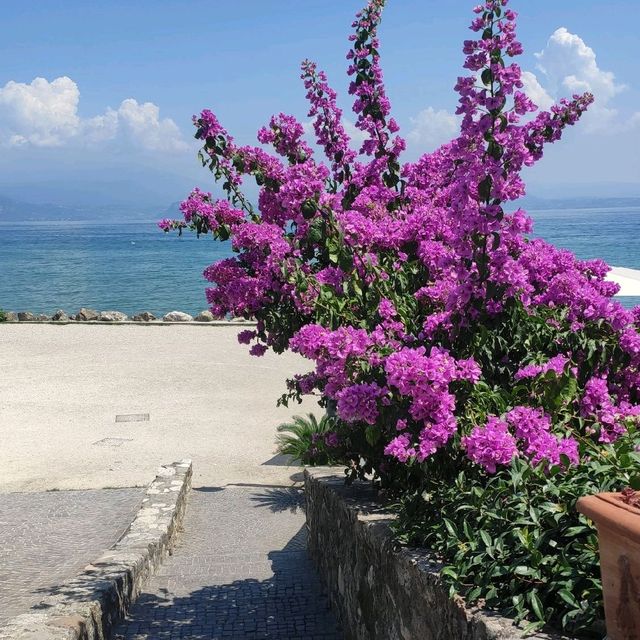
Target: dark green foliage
[(515, 541)]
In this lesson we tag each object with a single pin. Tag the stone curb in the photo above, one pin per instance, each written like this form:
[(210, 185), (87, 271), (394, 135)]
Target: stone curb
[(89, 606), (377, 590), (150, 323)]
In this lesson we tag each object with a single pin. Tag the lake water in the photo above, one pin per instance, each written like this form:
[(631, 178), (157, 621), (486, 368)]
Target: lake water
[(135, 267), (126, 267)]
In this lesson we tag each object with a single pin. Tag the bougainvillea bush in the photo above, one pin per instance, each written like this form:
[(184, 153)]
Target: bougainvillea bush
[(444, 338)]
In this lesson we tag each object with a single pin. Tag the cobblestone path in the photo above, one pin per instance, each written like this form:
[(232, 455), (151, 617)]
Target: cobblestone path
[(240, 570), (48, 537)]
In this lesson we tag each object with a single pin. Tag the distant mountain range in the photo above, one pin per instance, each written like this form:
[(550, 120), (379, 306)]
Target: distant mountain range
[(17, 211), (545, 204), (12, 210)]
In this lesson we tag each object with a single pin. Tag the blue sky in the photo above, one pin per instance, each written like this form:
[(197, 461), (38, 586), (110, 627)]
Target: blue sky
[(115, 125)]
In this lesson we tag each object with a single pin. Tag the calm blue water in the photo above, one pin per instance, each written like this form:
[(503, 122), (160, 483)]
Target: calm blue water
[(610, 234), (135, 267), (127, 267)]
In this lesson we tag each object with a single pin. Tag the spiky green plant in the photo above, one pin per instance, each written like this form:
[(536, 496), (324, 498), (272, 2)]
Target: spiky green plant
[(304, 439)]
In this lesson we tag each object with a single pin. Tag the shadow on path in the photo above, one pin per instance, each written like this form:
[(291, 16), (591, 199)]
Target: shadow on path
[(265, 586)]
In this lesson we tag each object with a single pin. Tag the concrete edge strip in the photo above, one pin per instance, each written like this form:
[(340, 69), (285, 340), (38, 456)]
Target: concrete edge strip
[(150, 323), (89, 606)]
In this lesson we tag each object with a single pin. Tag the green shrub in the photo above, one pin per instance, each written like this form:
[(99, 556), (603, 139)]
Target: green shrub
[(514, 542), (309, 440), (3, 315)]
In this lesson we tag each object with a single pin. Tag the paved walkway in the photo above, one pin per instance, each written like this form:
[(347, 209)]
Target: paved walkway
[(47, 538), (240, 571)]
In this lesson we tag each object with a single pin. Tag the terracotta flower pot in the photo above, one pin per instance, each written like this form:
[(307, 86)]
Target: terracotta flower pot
[(618, 522)]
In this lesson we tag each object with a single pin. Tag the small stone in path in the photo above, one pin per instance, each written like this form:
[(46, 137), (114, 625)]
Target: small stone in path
[(60, 316), (204, 316), (177, 316), (112, 316), (84, 315), (145, 316), (26, 316)]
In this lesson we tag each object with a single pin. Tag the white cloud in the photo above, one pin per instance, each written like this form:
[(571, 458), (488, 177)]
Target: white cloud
[(42, 113), (357, 135), (143, 123), (569, 63), (536, 91), (430, 128), (569, 66), (45, 114)]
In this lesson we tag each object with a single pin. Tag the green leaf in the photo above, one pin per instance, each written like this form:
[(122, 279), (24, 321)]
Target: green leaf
[(484, 188), (536, 605), (450, 572), (569, 598), (372, 434), (450, 527), (486, 538)]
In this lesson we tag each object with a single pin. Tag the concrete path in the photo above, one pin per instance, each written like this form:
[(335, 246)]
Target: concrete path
[(241, 571), (85, 407), (48, 537)]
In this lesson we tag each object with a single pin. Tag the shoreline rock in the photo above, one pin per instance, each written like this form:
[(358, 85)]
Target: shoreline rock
[(177, 316), (86, 315), (60, 316), (144, 316), (112, 316)]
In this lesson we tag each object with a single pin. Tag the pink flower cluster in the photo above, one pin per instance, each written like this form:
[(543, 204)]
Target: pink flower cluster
[(526, 431), (557, 364), (387, 275)]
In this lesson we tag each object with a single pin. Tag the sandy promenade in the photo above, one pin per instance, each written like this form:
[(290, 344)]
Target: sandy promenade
[(62, 387)]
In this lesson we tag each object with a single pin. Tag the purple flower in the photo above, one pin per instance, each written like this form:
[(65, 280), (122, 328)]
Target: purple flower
[(491, 445), (400, 448), (332, 439), (359, 402)]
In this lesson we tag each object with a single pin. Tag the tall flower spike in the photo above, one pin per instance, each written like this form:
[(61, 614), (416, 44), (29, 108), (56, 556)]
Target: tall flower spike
[(548, 125), (327, 124), (371, 102), (285, 134)]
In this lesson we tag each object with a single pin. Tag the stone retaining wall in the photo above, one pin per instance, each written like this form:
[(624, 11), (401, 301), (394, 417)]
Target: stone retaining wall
[(88, 606), (379, 592)]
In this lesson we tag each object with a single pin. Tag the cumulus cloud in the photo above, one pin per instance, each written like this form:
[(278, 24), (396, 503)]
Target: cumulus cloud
[(41, 113), (45, 114), (357, 135), (431, 128), (536, 91), (568, 65)]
